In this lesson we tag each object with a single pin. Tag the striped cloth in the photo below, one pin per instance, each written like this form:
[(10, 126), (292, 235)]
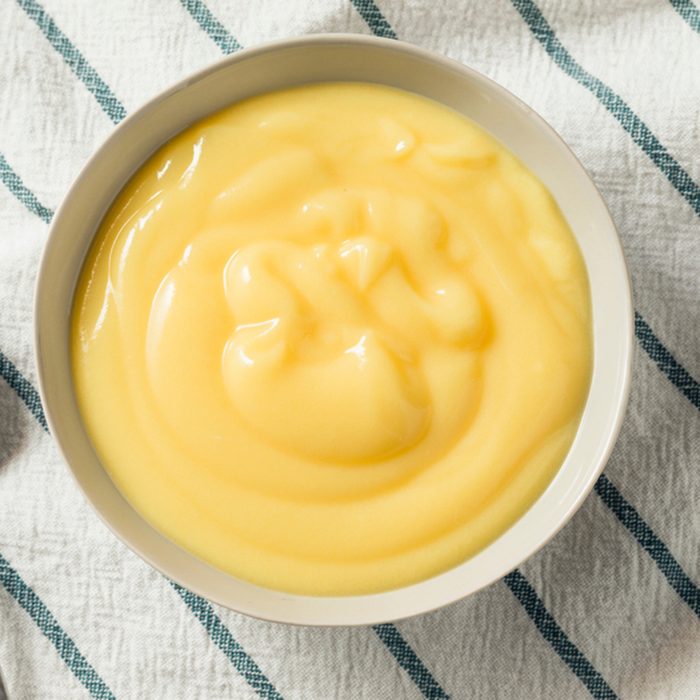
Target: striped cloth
[(610, 608)]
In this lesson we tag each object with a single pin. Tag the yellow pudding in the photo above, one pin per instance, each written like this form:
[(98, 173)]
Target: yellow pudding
[(333, 340)]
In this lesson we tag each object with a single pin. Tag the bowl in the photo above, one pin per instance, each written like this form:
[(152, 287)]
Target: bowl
[(281, 64)]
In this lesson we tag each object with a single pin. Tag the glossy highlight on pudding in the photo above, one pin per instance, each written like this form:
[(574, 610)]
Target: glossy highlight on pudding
[(333, 339)]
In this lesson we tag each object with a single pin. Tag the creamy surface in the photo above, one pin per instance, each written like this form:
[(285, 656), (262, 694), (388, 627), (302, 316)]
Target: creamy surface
[(333, 340)]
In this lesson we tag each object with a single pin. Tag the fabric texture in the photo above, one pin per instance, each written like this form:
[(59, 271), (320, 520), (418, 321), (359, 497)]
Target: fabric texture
[(610, 608)]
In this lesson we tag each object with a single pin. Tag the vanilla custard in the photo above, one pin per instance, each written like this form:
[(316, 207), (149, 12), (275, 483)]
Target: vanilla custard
[(333, 340)]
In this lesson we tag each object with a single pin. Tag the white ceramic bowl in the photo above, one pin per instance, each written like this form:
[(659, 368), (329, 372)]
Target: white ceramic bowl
[(332, 58)]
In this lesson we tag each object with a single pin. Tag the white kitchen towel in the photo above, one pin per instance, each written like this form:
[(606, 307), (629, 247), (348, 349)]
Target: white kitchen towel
[(610, 608)]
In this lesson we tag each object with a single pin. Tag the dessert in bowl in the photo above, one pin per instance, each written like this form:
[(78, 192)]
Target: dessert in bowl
[(340, 352)]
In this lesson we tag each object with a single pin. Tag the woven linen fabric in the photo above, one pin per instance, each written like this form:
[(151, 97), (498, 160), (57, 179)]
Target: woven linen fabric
[(610, 608)]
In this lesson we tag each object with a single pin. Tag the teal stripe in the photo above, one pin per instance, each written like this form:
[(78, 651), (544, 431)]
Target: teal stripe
[(688, 11), (569, 653), (409, 661), (666, 362), (43, 618), (651, 542), (23, 388), (235, 653), (370, 13), (14, 183), (216, 31), (641, 134), (75, 60)]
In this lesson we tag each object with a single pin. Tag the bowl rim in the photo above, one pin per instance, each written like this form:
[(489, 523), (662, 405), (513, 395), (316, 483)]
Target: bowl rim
[(331, 612)]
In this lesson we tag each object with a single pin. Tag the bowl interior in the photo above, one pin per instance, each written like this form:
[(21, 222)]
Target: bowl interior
[(338, 58)]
